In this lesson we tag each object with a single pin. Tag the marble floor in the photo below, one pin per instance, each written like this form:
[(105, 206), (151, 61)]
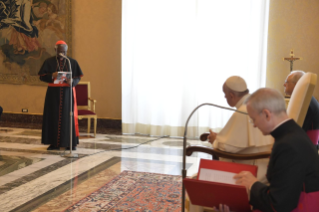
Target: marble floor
[(34, 179)]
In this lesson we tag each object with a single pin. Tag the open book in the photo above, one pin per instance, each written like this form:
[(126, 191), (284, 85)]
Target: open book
[(215, 185), (62, 77), (217, 176)]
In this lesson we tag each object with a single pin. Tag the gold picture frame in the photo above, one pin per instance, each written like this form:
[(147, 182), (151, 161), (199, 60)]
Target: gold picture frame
[(28, 32)]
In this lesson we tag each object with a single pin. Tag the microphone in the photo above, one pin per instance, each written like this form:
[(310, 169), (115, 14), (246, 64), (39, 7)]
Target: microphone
[(62, 55), (184, 171), (70, 155)]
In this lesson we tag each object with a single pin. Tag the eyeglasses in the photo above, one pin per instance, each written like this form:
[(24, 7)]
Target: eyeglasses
[(287, 82)]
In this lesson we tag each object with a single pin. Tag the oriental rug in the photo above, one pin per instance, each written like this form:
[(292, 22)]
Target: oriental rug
[(134, 191)]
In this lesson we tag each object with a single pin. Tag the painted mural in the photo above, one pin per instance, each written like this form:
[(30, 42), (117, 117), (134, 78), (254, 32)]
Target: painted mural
[(28, 32)]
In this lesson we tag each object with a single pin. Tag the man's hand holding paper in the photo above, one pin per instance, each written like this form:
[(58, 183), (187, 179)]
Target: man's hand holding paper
[(55, 75), (62, 77), (245, 178)]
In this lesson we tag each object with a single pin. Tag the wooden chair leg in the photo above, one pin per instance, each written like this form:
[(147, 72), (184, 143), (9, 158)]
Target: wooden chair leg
[(89, 125), (95, 123)]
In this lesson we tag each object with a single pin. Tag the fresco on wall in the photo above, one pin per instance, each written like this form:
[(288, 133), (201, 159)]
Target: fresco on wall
[(28, 32)]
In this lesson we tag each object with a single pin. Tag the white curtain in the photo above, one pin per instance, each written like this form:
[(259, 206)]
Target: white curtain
[(176, 54)]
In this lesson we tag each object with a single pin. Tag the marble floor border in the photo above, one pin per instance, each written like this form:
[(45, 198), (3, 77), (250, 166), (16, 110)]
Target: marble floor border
[(53, 193), (46, 160), (27, 178), (123, 148), (61, 152)]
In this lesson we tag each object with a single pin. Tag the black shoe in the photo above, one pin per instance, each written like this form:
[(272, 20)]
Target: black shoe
[(73, 148), (51, 147)]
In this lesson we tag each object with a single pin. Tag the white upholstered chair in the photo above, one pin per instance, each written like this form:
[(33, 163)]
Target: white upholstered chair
[(301, 97)]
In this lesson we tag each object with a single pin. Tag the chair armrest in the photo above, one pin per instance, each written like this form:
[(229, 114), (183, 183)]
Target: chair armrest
[(216, 153), (203, 137), (93, 103), (199, 148), (92, 100)]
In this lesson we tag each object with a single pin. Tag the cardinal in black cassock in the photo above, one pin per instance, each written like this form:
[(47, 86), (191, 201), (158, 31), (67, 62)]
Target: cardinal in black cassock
[(56, 113)]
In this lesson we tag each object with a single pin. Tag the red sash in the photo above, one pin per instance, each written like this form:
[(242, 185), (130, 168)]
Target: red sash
[(58, 85), (314, 136), (75, 114), (308, 202)]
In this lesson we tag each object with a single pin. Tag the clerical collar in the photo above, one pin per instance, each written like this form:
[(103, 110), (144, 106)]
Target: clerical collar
[(281, 123), (241, 101), (283, 129)]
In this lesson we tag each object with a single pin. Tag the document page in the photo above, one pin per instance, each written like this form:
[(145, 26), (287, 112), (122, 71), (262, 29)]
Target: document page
[(217, 176), (62, 77)]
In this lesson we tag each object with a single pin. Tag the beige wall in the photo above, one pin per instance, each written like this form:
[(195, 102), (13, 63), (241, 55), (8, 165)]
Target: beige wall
[(15, 97), (97, 47), (292, 25)]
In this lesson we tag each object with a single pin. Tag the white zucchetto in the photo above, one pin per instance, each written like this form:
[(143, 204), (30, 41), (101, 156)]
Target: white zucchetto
[(236, 83)]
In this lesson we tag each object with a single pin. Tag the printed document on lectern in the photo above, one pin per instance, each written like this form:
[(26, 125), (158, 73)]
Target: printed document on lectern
[(62, 77)]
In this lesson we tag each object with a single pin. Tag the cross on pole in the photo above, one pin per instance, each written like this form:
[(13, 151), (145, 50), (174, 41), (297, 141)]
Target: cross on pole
[(291, 59)]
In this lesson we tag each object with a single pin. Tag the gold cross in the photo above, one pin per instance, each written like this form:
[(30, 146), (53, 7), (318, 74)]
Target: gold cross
[(291, 59)]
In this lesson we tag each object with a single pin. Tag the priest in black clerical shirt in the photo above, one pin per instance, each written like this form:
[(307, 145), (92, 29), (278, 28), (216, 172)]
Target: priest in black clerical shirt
[(293, 171), (311, 122)]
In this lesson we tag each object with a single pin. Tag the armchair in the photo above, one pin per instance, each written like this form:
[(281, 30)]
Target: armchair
[(86, 105), (301, 97)]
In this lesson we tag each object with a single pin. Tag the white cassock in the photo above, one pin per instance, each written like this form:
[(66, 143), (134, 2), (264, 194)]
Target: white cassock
[(240, 136)]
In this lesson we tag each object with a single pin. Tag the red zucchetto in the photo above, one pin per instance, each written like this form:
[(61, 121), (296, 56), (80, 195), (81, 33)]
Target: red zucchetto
[(60, 42)]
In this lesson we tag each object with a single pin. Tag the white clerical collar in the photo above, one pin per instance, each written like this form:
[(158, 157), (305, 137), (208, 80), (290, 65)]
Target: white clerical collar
[(241, 101), (281, 123)]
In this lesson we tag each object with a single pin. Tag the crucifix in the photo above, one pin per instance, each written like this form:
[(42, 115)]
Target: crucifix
[(291, 59)]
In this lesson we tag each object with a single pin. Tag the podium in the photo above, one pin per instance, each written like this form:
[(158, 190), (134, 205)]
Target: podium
[(62, 78), (211, 194)]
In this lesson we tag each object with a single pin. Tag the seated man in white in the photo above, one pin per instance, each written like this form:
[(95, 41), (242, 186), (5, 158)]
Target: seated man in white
[(239, 135), (311, 121)]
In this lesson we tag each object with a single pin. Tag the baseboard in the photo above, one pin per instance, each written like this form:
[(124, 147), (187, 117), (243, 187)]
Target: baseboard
[(37, 120)]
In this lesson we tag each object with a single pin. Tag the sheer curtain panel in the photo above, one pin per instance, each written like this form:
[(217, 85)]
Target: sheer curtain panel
[(176, 54)]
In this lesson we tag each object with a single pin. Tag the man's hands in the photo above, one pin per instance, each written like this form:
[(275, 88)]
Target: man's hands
[(222, 208), (246, 179), (212, 136), (55, 75)]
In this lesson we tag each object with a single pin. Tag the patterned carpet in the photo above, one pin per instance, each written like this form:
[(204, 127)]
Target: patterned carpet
[(134, 191)]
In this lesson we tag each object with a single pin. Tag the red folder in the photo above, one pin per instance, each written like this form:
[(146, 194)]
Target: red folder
[(211, 194)]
